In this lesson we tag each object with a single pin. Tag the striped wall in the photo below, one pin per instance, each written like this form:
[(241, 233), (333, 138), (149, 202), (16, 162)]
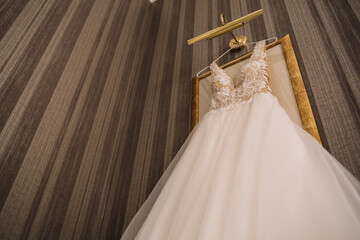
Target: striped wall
[(95, 99)]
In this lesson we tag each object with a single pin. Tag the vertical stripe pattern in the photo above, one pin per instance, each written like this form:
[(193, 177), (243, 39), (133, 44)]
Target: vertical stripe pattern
[(95, 99)]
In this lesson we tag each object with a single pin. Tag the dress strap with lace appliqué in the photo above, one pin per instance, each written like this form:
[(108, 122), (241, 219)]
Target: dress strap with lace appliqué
[(222, 93), (253, 79)]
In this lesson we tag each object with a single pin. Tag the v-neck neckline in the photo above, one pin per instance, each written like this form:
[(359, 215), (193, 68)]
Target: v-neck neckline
[(241, 69)]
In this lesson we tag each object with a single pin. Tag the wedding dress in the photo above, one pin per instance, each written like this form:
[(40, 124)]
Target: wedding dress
[(248, 172)]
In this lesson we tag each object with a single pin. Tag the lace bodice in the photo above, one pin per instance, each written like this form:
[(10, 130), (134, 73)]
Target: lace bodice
[(252, 79)]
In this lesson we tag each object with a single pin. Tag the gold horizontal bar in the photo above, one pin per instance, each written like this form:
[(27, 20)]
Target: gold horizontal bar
[(226, 28)]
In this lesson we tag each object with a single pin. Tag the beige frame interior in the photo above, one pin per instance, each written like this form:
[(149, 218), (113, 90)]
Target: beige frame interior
[(285, 78)]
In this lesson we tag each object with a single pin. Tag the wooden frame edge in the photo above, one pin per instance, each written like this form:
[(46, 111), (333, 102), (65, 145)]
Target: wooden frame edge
[(194, 103), (302, 99)]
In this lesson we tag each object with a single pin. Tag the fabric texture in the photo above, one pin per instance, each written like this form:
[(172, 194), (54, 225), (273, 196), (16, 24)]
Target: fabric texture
[(249, 172), (253, 78)]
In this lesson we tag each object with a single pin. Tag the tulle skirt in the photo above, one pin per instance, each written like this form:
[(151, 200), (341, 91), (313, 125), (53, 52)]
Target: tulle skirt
[(251, 173)]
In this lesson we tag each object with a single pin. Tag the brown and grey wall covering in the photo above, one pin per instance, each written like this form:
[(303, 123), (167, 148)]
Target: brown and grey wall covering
[(95, 99)]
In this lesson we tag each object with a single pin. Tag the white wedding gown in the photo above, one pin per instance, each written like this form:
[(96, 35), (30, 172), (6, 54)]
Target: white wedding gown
[(248, 172)]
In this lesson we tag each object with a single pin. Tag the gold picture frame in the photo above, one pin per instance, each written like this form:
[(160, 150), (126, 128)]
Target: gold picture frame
[(301, 97)]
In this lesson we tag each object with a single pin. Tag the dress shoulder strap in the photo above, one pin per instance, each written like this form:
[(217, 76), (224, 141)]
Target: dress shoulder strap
[(259, 51)]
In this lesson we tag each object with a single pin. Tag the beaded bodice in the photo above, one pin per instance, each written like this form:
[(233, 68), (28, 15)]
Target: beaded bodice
[(252, 79)]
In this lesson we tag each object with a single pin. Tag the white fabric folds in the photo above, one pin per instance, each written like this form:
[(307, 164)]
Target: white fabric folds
[(251, 173), (248, 172)]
